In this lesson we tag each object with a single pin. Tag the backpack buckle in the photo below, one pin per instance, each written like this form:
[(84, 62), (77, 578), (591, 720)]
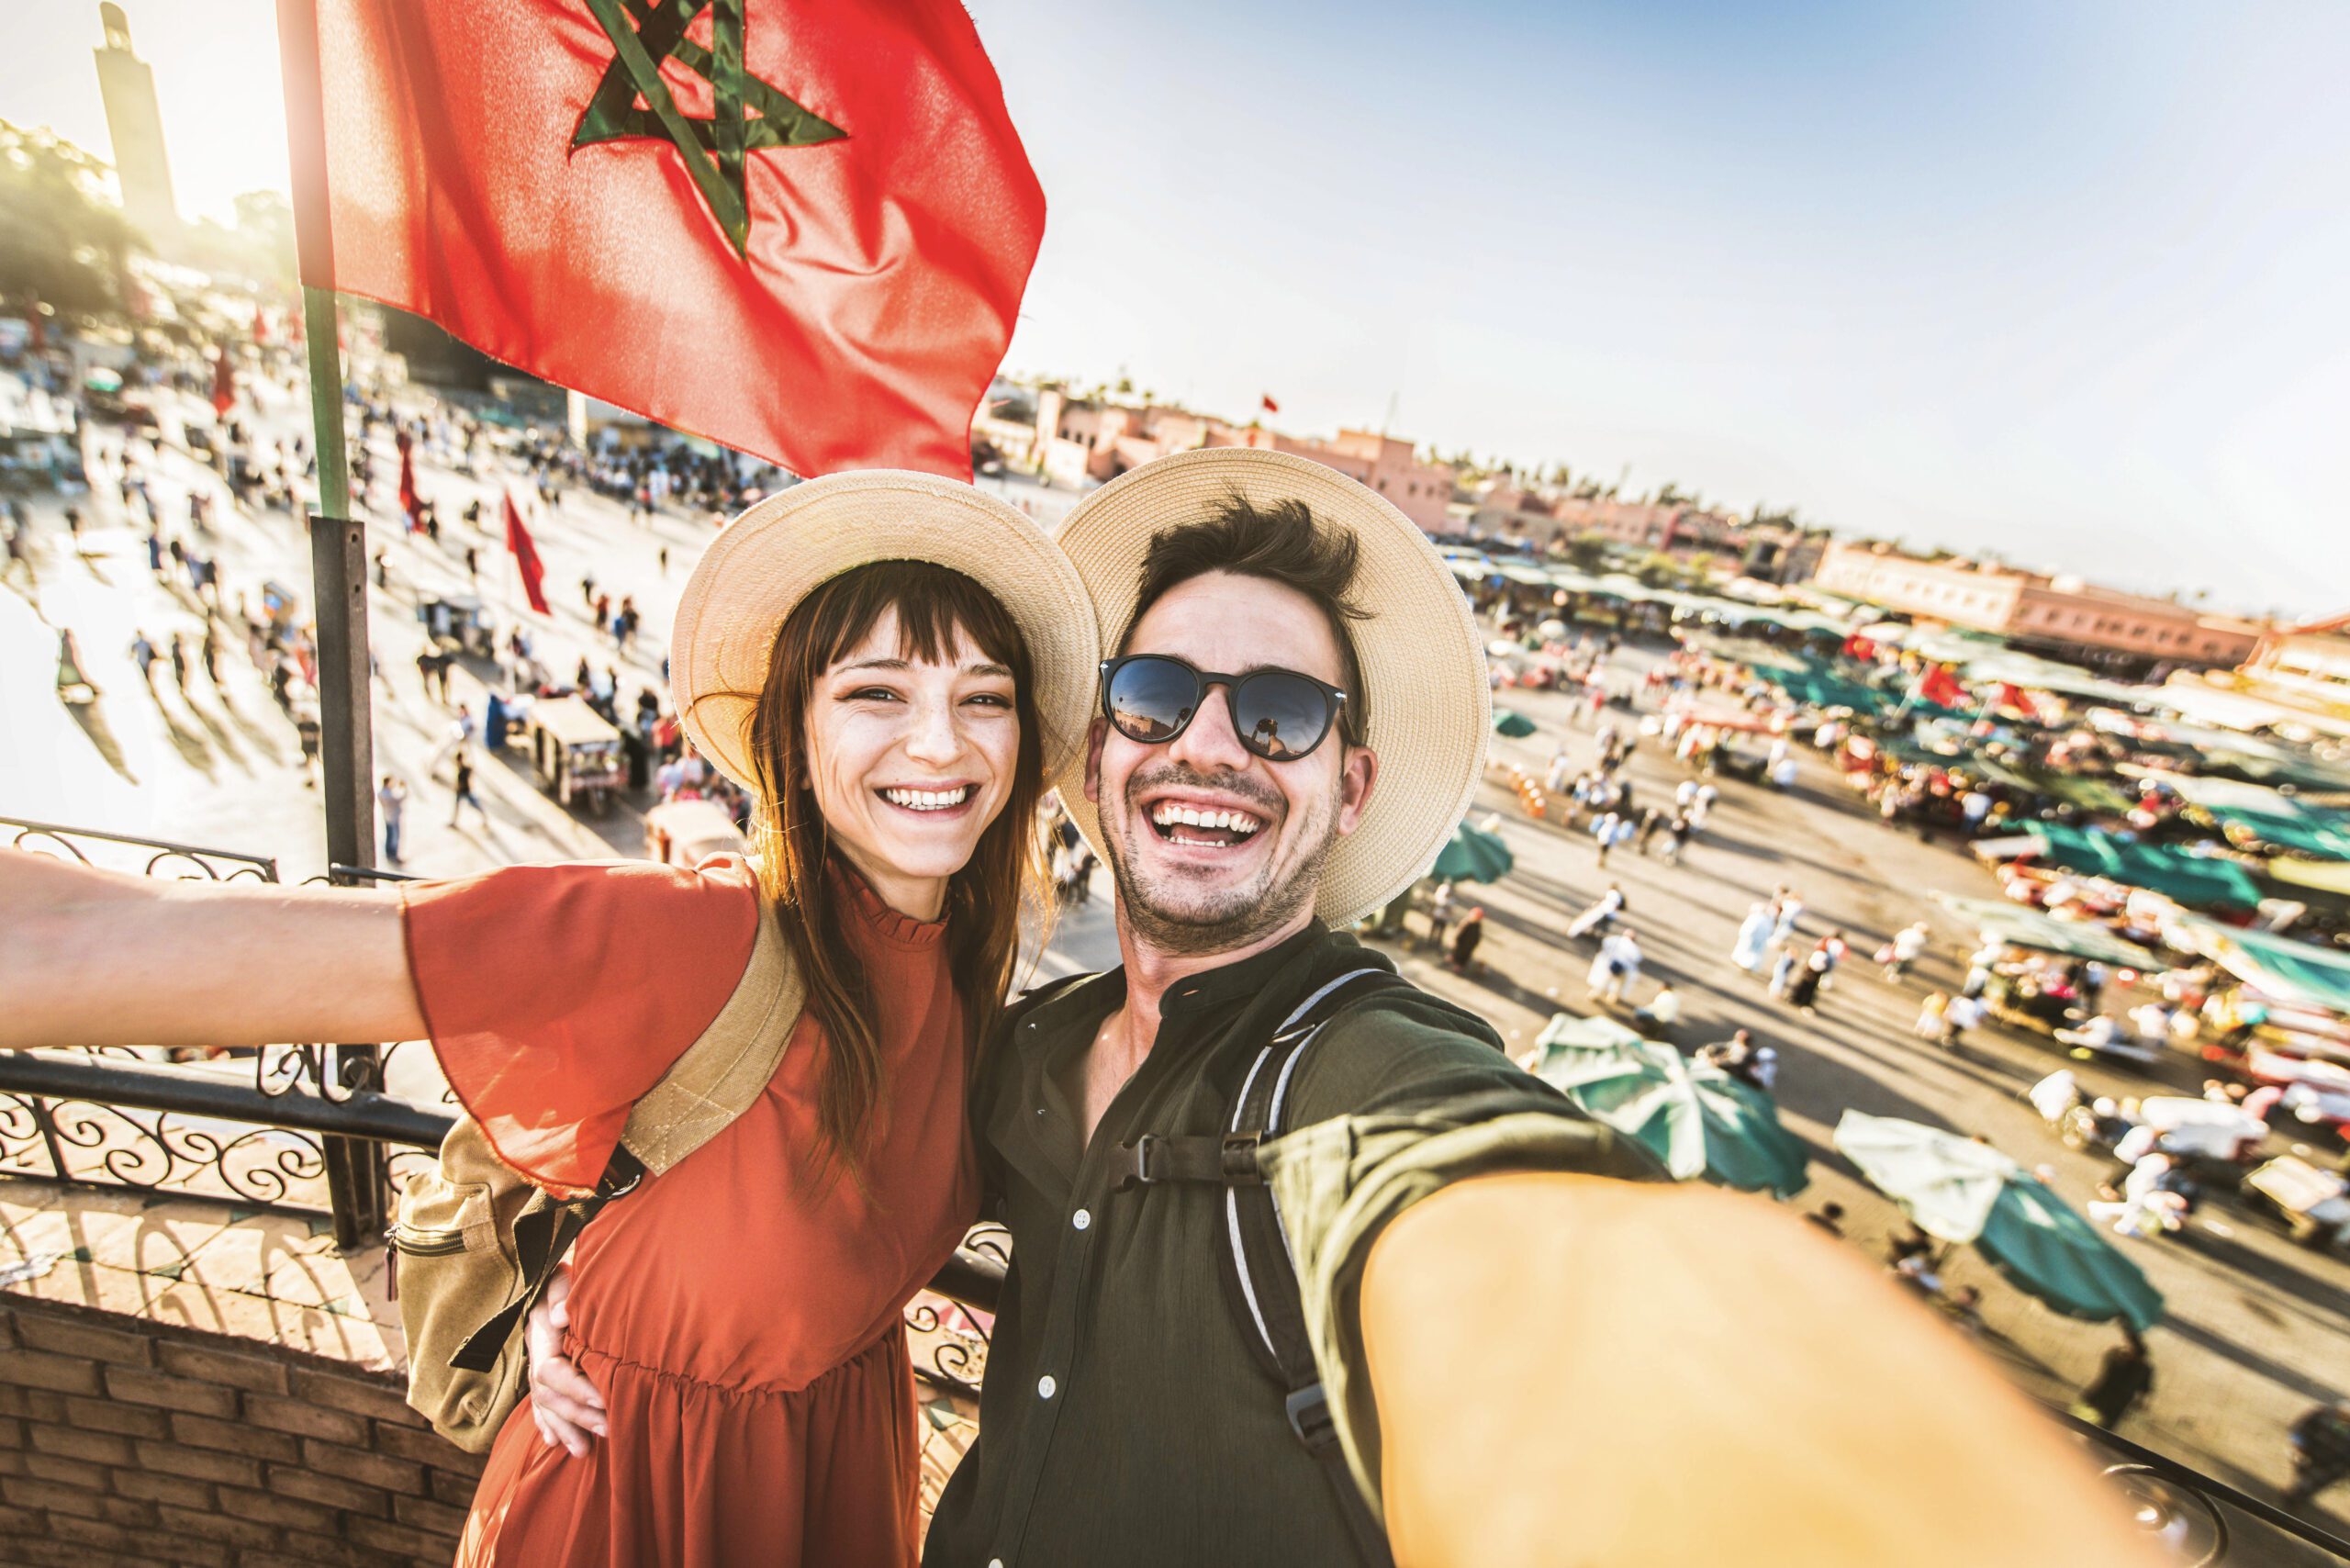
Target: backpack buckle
[(1136, 1162), (1240, 1160), (1309, 1416)]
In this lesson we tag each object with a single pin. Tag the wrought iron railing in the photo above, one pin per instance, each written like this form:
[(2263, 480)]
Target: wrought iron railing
[(310, 1130)]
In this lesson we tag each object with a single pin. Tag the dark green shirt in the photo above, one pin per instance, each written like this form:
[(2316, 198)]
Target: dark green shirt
[(1124, 1418)]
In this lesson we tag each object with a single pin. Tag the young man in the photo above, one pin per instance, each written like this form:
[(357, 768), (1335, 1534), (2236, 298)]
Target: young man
[(1291, 725)]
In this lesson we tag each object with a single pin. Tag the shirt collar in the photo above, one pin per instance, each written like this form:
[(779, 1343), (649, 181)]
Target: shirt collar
[(1244, 976)]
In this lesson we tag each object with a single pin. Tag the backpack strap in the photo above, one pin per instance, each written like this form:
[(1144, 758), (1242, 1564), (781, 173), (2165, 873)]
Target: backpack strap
[(1259, 1271), (726, 1069), (718, 1077)]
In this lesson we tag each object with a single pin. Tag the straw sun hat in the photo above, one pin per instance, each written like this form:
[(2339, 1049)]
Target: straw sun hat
[(1423, 664), (764, 563)]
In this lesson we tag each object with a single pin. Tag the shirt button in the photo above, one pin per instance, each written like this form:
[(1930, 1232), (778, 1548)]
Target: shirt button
[(1046, 1386), (995, 1562), (1081, 1219)]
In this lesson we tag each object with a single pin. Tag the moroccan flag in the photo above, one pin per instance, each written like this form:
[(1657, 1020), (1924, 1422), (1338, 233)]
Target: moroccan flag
[(224, 384), (1270, 407), (526, 558), (410, 502), (261, 325), (801, 227), (1859, 647)]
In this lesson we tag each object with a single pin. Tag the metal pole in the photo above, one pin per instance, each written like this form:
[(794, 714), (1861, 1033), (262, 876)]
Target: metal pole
[(339, 585)]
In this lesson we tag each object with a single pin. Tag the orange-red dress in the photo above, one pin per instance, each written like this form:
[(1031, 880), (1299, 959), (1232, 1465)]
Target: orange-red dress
[(745, 1334)]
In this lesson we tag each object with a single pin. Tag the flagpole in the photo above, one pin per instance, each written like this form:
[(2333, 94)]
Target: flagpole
[(354, 1170)]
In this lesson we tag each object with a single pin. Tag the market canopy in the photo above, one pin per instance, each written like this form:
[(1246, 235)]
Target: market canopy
[(2195, 881), (2021, 927), (2299, 974), (1818, 688), (2084, 790), (1698, 1119), (1472, 855), (2255, 813), (1957, 1190)]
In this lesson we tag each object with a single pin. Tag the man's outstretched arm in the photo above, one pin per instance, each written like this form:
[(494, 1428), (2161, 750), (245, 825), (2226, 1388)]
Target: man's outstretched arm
[(1569, 1369)]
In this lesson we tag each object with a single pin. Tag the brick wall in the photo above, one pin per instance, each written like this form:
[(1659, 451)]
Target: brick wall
[(129, 1442)]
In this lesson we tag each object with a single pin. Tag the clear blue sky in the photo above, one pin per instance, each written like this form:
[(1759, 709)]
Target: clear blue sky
[(2066, 282)]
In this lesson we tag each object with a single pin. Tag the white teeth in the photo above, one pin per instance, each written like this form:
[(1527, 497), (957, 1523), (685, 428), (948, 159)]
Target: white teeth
[(927, 800), (1174, 815)]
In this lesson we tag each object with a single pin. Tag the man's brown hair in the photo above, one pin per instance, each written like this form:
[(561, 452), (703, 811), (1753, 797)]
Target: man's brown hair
[(1280, 542)]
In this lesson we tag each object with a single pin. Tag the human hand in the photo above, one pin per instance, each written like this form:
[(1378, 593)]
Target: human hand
[(565, 1405)]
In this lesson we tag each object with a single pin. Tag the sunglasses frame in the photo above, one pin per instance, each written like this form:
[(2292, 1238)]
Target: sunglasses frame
[(1231, 684)]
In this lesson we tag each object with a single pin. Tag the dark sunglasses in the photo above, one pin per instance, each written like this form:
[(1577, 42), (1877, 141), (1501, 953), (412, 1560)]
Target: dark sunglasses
[(1279, 714)]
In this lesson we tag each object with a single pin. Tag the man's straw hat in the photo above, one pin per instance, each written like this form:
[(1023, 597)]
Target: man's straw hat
[(1423, 664), (764, 563)]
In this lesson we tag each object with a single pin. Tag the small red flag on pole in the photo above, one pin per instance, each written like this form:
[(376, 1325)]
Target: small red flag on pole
[(526, 558), (1270, 407), (410, 502), (224, 384)]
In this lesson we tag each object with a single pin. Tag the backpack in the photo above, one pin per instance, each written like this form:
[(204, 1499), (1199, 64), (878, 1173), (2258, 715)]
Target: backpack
[(473, 1243), (1260, 1276)]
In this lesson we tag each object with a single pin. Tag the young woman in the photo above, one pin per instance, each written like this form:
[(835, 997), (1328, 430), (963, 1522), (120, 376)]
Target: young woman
[(893, 664)]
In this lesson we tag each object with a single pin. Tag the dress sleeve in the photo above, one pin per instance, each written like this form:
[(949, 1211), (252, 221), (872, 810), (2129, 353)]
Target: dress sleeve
[(556, 995)]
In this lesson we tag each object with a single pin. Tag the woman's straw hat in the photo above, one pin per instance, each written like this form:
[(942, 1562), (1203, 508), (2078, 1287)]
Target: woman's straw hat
[(764, 563), (1423, 664)]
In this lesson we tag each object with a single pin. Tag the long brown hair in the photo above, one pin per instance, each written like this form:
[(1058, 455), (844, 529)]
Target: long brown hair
[(985, 900)]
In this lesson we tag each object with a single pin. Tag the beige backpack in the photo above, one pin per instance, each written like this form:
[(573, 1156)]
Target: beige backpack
[(473, 1244)]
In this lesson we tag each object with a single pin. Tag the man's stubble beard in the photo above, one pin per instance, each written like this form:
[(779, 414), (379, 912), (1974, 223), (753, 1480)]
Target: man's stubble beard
[(1232, 923)]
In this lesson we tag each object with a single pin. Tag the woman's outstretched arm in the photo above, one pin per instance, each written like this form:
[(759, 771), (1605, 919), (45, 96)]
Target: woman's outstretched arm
[(92, 958)]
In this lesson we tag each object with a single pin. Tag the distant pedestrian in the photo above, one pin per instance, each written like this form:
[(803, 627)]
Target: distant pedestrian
[(2123, 1378), (1603, 834), (2320, 1440), (1470, 932), (179, 664), (1439, 912), (462, 794), (391, 804), (1676, 835), (1790, 911), (1753, 943), (142, 654), (665, 560), (1903, 951), (473, 564), (1802, 991), (1600, 914), (1930, 1013), (1963, 1014), (305, 735), (1828, 1217)]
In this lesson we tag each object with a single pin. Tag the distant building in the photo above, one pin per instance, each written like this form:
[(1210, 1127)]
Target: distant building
[(2063, 616), (1075, 441), (135, 126), (2305, 668)]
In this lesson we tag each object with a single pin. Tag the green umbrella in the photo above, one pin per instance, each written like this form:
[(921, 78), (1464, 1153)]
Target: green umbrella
[(1511, 722), (1472, 855), (1961, 1190), (1698, 1119)]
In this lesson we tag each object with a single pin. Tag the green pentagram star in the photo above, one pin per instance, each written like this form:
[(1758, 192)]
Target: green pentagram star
[(750, 115)]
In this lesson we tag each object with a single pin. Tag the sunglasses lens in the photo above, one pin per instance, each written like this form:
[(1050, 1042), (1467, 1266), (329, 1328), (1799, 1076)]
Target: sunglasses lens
[(1281, 715), (1151, 700)]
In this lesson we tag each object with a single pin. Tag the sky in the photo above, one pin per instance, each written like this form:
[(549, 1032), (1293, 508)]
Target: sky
[(2064, 283)]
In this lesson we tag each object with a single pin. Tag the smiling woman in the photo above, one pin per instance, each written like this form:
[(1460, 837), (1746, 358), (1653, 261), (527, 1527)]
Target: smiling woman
[(897, 728), (891, 662)]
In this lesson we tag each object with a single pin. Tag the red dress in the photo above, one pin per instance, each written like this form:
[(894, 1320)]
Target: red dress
[(744, 1331)]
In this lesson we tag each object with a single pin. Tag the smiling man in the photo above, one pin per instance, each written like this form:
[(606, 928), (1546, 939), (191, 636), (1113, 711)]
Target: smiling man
[(1293, 722)]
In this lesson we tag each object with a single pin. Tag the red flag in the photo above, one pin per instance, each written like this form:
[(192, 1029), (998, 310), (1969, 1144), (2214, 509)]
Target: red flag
[(817, 257), (261, 325), (1941, 687), (526, 558), (1859, 647), (224, 384), (2012, 698), (1270, 407), (410, 502)]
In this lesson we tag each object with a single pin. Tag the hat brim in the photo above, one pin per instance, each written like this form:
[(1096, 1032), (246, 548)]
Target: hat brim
[(763, 564), (1422, 664)]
